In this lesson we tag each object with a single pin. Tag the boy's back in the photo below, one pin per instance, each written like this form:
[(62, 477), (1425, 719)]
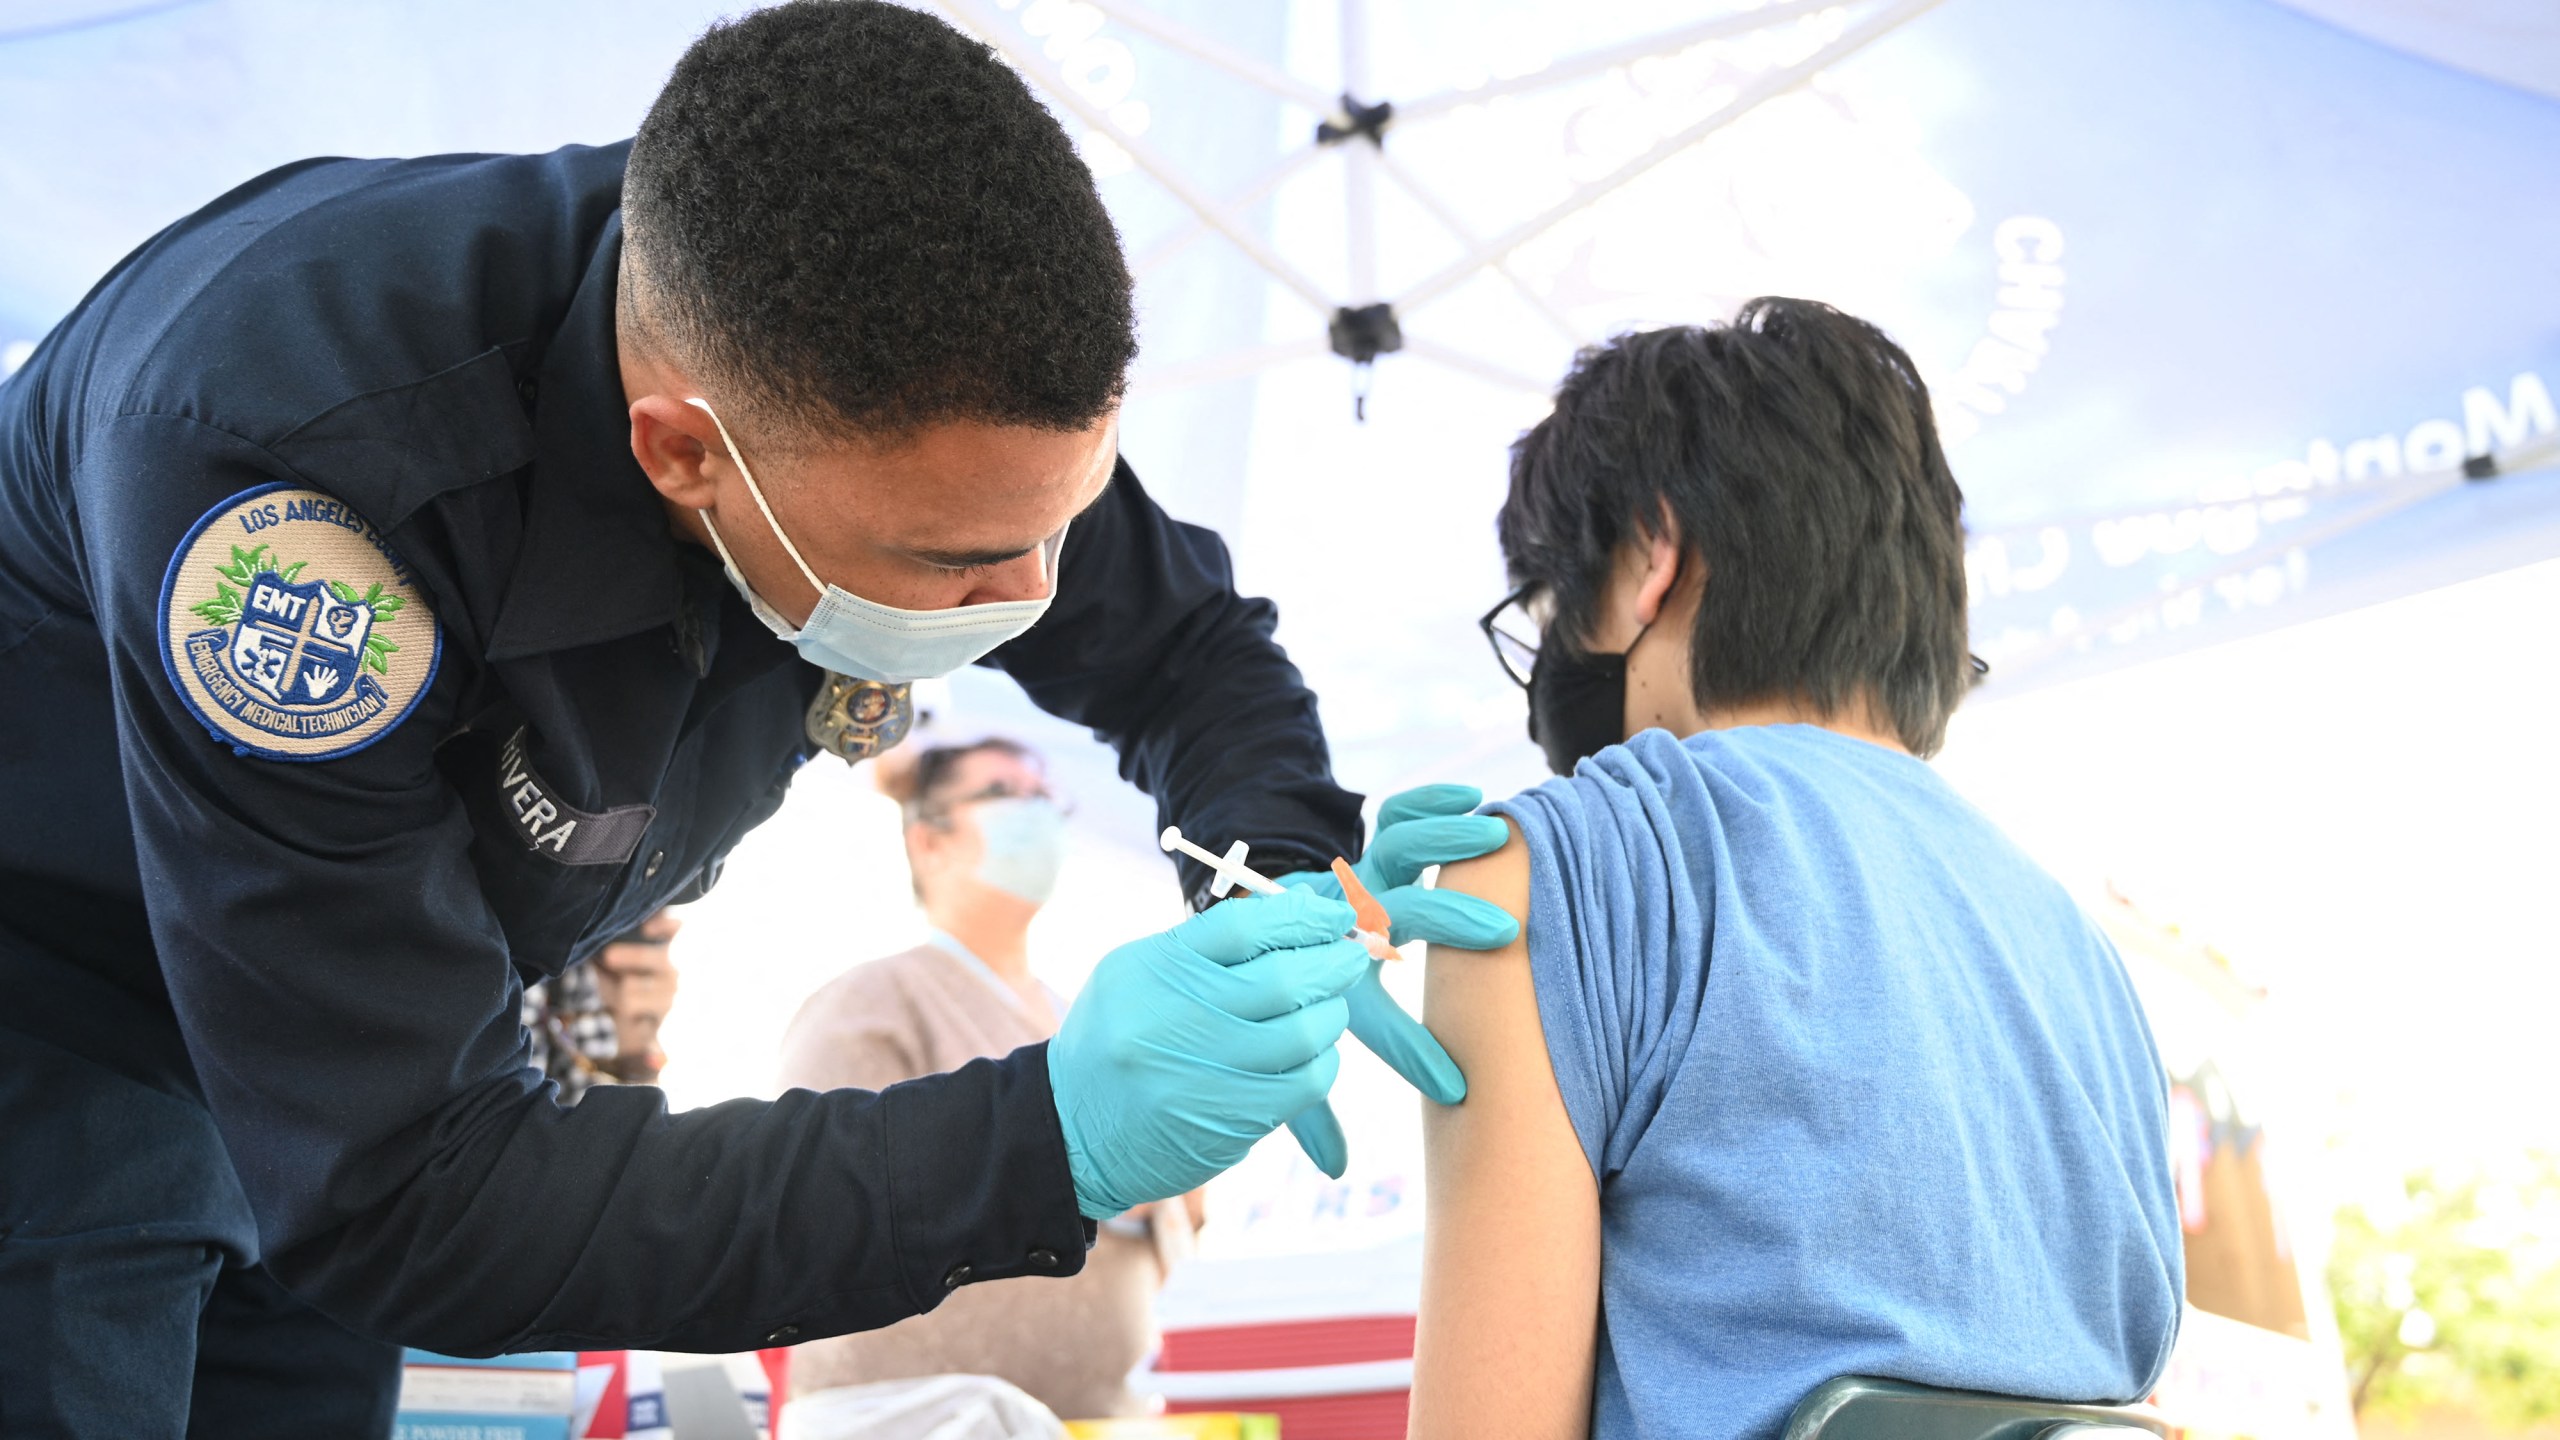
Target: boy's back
[(1864, 1090)]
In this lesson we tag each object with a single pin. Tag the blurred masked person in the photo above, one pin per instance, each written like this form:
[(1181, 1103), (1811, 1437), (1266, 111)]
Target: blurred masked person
[(984, 842)]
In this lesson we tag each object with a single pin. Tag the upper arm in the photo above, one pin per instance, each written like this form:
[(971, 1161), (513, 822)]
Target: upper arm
[(1511, 1246), (280, 689)]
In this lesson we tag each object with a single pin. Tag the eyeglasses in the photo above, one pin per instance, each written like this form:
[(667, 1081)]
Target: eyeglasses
[(940, 810), (1513, 629)]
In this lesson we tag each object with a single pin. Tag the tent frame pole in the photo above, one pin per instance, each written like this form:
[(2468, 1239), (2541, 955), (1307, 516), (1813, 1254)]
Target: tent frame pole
[(1234, 211), (1362, 163), (1459, 360), (990, 31), (1610, 57), (1228, 365), (1177, 36), (1468, 241), (1751, 97), (1359, 162)]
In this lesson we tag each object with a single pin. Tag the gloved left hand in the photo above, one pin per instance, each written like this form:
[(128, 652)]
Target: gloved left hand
[(1418, 828), (1187, 1047)]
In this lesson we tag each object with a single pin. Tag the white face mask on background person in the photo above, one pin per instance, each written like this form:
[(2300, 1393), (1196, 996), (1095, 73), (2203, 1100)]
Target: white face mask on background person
[(1025, 839), (868, 640)]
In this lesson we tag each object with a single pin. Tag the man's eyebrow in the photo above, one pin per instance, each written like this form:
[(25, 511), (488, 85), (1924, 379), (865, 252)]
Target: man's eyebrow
[(968, 559)]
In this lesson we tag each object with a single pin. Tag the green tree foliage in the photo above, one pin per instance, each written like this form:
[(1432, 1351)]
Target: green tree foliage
[(224, 607), (377, 646), (2453, 1298)]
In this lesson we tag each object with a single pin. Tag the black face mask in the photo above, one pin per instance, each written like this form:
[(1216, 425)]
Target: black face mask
[(1577, 703)]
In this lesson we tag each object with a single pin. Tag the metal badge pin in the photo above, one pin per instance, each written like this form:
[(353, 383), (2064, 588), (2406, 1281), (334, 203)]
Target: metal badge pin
[(858, 719)]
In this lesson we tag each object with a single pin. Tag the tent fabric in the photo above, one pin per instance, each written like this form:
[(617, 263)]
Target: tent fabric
[(2514, 42), (2216, 296)]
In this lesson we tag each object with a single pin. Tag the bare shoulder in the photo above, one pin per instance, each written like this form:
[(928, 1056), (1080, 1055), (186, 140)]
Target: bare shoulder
[(1501, 878), (1479, 1002)]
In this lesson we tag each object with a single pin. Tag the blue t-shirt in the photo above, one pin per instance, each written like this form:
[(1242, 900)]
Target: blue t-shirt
[(1865, 1092)]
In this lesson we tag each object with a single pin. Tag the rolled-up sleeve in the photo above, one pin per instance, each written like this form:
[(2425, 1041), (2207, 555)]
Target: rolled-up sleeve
[(1618, 945)]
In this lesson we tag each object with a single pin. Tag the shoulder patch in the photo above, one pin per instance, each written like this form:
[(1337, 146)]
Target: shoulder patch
[(291, 630)]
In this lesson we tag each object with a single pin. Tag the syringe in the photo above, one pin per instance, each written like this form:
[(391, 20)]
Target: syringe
[(1232, 872), (1229, 868)]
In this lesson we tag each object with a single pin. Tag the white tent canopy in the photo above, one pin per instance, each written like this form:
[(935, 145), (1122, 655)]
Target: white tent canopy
[(2217, 298)]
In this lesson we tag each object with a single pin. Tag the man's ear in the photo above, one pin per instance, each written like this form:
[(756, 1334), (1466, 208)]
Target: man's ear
[(1661, 555), (674, 443)]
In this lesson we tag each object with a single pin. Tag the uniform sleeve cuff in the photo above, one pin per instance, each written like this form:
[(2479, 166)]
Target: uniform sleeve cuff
[(980, 1188)]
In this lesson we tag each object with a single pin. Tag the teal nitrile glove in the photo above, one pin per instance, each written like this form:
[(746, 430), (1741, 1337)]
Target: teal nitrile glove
[(1187, 1047), (1425, 826)]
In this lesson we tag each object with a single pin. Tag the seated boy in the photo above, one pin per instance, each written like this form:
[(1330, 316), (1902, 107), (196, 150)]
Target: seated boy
[(1800, 1068)]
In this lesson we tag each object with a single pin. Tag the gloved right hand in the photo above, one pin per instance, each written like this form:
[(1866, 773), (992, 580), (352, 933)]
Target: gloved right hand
[(1187, 1047)]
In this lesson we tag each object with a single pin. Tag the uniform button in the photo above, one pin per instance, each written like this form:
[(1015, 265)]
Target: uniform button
[(783, 1336), (656, 859), (528, 389), (1043, 1259), (957, 1276)]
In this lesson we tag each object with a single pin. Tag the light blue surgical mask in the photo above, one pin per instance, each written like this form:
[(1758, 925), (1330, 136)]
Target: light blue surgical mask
[(1026, 843), (865, 639)]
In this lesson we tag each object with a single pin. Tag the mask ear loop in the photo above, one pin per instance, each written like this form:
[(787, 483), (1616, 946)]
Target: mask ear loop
[(1049, 553), (757, 495)]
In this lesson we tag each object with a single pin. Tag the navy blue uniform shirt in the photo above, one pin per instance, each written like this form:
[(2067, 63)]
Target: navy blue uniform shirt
[(350, 675)]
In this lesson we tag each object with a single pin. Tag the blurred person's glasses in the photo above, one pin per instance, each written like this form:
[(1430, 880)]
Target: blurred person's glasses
[(998, 790), (1513, 629)]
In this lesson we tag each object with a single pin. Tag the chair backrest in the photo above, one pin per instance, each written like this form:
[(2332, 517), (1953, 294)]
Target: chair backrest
[(1854, 1407)]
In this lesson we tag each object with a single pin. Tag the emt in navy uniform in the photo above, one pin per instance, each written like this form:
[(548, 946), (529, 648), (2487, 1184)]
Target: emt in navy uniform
[(392, 560)]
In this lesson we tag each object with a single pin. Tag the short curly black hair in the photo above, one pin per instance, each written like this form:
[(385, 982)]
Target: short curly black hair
[(859, 220)]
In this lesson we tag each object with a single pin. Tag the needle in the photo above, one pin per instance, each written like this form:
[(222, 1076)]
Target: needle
[(1232, 871)]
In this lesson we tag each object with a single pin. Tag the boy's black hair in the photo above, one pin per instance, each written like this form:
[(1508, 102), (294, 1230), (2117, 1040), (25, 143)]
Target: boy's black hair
[(855, 218), (1796, 451)]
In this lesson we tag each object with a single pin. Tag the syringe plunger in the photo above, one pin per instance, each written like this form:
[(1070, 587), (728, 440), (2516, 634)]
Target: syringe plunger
[(1229, 868)]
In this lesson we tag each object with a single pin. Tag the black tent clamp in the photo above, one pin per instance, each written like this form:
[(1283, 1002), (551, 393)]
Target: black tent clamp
[(1357, 121), (1360, 334)]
